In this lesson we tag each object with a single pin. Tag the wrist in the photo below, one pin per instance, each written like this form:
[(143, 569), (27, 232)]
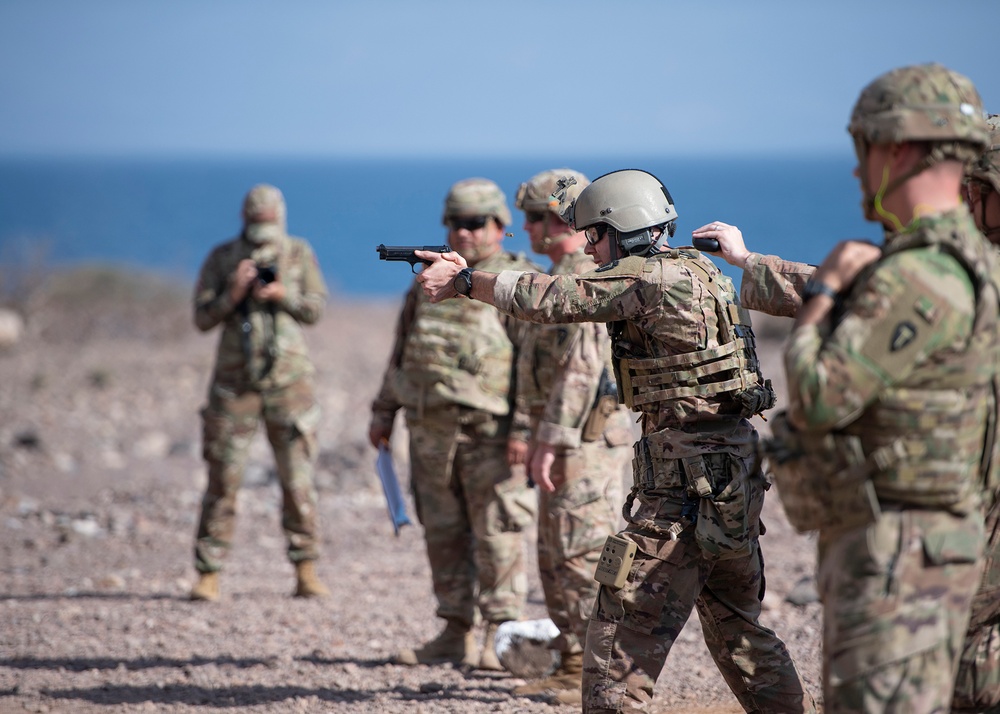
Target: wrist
[(815, 288), (463, 282)]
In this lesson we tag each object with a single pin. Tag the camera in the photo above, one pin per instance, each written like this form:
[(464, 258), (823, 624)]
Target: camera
[(266, 274)]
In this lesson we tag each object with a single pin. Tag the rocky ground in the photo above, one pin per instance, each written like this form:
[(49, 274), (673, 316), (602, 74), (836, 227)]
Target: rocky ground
[(100, 482)]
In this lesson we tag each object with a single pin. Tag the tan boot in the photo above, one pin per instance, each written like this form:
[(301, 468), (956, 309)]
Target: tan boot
[(307, 583), (455, 644), (488, 658), (207, 587), (568, 677)]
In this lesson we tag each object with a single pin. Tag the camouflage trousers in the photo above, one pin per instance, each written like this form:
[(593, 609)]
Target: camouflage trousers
[(634, 627), (896, 597), (574, 522), (473, 509), (977, 687), (229, 423)]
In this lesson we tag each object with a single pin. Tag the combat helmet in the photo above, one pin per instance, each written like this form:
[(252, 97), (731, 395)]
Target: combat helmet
[(264, 204), (632, 203), (545, 194), (927, 102), (986, 173), (476, 197)]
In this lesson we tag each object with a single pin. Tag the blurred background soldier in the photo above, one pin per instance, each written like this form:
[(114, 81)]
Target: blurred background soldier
[(573, 433), (685, 359), (977, 687), (452, 368), (261, 287), (890, 378)]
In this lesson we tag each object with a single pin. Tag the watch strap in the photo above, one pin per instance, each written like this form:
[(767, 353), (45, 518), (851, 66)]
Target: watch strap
[(815, 287)]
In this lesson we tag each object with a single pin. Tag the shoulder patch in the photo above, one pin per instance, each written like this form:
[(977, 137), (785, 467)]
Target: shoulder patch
[(903, 334)]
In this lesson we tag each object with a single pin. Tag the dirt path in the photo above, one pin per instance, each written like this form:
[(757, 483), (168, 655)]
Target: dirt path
[(100, 480)]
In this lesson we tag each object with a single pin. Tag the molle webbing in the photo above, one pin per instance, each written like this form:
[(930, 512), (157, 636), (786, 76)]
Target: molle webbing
[(649, 388), (655, 380)]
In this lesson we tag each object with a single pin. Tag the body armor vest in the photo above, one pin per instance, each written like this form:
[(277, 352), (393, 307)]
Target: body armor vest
[(724, 380), (932, 429), (459, 352), (916, 445)]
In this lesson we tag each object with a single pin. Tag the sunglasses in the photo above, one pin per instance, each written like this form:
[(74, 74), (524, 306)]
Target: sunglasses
[(470, 224), (595, 234), (534, 216)]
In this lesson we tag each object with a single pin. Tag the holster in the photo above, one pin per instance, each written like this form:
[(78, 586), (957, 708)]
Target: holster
[(593, 428)]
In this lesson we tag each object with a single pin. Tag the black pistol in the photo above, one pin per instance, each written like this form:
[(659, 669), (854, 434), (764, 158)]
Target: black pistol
[(406, 253)]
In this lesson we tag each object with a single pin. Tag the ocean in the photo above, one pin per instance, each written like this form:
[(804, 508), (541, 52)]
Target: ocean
[(163, 215)]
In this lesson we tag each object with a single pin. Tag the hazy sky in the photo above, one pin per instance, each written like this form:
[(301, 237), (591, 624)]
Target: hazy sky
[(464, 77)]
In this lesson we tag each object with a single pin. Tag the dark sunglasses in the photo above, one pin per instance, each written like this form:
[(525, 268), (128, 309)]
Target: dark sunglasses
[(534, 216), (469, 224)]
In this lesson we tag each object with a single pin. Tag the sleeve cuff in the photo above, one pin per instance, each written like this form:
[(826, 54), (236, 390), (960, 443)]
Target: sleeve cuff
[(503, 290), (556, 435)]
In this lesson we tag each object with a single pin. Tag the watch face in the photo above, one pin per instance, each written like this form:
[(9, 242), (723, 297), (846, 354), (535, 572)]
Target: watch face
[(463, 283)]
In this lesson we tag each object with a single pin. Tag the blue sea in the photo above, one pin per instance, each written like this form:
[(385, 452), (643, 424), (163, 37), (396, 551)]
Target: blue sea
[(164, 215)]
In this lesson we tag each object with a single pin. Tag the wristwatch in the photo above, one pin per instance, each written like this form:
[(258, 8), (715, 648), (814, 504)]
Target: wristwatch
[(463, 281), (815, 287)]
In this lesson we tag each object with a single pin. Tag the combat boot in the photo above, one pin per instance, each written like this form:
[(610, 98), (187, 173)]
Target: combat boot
[(307, 583), (488, 659), (568, 677), (207, 587), (455, 644)]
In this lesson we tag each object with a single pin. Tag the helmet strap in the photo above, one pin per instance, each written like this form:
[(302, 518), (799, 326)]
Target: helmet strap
[(880, 194)]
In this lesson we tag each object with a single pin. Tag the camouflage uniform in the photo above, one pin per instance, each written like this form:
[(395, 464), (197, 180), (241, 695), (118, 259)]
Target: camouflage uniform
[(896, 397), (882, 651), (559, 370), (452, 370), (977, 687), (262, 370), (670, 308)]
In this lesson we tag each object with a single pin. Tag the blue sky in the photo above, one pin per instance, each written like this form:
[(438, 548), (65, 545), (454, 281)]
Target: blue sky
[(450, 78)]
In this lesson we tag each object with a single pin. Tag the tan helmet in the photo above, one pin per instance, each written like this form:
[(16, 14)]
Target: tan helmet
[(476, 197), (537, 193), (631, 201), (987, 166), (926, 102), (263, 204)]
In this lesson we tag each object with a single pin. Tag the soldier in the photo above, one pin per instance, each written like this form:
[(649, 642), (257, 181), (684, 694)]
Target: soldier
[(977, 687), (452, 368), (569, 423), (685, 360), (261, 286), (891, 399)]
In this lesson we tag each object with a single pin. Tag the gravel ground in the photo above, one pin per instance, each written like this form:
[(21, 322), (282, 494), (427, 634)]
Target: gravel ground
[(100, 482)]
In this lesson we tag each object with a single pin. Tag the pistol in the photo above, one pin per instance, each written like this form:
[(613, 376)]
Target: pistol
[(405, 252)]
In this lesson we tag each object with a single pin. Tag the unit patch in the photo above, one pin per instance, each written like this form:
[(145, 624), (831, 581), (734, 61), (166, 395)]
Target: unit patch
[(903, 335)]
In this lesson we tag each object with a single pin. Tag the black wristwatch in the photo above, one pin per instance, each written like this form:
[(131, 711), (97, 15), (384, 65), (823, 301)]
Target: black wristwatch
[(814, 288), (463, 282)]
